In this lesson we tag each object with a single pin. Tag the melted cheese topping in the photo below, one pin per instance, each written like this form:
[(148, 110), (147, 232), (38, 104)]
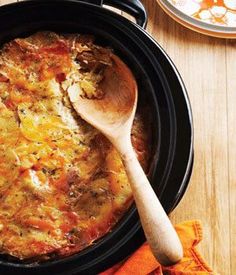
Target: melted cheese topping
[(62, 184)]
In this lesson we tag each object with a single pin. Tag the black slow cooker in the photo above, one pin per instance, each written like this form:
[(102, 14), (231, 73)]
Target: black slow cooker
[(160, 87)]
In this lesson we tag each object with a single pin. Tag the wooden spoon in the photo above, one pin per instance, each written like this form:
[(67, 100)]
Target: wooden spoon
[(113, 115)]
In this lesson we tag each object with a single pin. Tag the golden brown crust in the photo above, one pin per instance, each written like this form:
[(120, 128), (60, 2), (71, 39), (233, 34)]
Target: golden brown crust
[(62, 184)]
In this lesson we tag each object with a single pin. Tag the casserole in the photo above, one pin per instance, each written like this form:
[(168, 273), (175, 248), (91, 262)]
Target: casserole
[(62, 183), (159, 85)]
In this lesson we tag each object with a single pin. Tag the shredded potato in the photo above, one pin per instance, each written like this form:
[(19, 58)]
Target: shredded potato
[(62, 184)]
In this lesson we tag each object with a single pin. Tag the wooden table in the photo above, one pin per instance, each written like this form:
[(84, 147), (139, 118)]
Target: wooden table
[(208, 68)]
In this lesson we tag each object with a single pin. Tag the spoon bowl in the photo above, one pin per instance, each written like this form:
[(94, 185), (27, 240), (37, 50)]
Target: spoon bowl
[(117, 105)]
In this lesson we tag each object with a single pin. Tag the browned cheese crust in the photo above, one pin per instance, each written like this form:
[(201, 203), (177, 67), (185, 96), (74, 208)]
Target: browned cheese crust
[(62, 184)]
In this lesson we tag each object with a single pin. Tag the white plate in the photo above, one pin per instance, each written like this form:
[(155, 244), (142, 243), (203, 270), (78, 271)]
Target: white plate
[(185, 8)]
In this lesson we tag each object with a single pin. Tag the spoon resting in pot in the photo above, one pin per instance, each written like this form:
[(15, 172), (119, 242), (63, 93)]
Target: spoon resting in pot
[(113, 115)]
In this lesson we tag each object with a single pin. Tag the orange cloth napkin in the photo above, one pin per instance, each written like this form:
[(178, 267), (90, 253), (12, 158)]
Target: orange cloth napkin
[(142, 262)]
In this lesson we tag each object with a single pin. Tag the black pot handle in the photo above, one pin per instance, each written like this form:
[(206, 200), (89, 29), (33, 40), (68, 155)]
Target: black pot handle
[(133, 7)]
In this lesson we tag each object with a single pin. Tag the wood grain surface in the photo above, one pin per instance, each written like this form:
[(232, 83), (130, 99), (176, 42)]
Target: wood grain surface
[(208, 68)]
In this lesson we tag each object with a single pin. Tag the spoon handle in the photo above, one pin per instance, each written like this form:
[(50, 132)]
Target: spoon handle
[(160, 233)]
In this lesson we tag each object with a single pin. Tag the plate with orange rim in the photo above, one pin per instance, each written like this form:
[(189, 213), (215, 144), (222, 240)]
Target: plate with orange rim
[(211, 17)]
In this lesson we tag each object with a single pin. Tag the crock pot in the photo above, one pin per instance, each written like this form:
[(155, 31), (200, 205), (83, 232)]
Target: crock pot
[(160, 87)]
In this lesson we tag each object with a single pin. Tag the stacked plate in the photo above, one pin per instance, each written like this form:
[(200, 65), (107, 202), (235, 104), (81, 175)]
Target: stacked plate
[(211, 17)]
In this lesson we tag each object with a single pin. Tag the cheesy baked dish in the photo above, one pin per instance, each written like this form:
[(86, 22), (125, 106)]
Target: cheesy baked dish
[(62, 184)]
